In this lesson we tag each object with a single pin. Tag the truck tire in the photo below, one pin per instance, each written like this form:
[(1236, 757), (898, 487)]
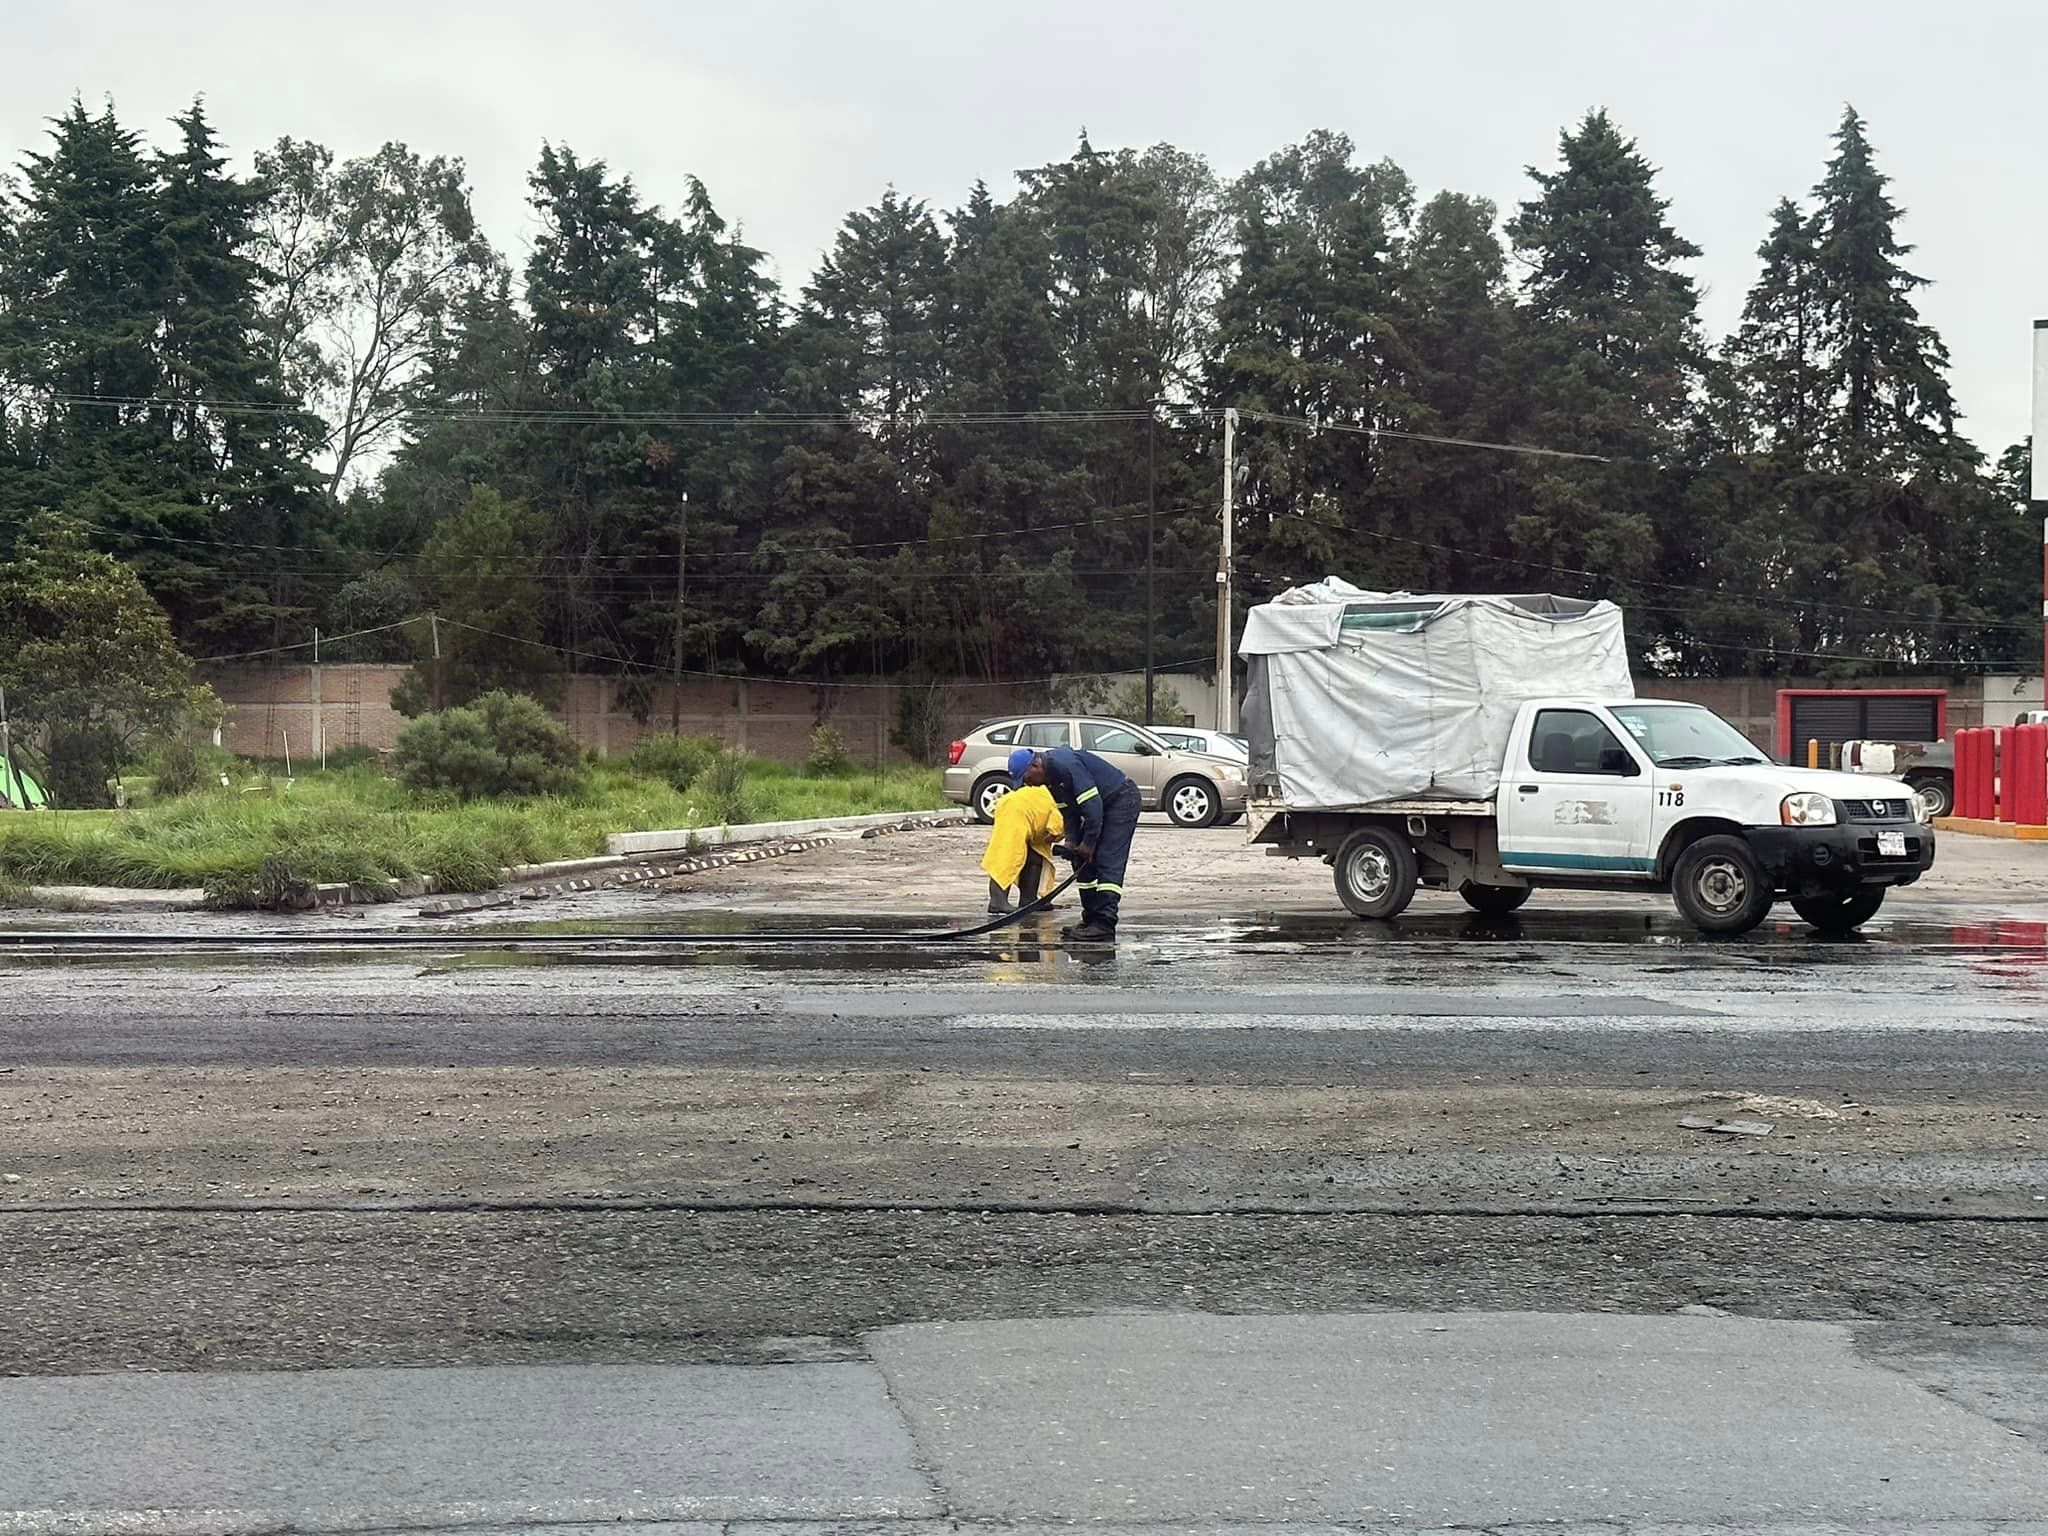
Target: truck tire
[(988, 789), (1376, 873), (1191, 802), (1936, 793), (1840, 913), (1493, 900), (1719, 887)]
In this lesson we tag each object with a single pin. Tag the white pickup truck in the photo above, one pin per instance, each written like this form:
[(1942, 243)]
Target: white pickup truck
[(1633, 794)]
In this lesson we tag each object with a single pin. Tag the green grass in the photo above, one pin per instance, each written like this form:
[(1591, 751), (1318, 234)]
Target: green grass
[(357, 826)]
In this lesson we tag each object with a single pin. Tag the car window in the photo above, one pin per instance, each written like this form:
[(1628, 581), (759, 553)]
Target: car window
[(1002, 735), (1108, 738), (1574, 741), (1182, 740), (1042, 734)]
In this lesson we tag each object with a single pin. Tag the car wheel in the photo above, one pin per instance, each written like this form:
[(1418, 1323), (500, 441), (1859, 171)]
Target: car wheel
[(1937, 796), (1719, 886), (1376, 873), (1839, 913), (1493, 900), (988, 789), (1192, 803)]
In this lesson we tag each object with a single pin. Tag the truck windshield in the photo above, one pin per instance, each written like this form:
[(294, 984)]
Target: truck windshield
[(1686, 736)]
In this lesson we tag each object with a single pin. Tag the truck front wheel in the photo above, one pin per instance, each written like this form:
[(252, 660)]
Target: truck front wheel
[(1720, 887), (1839, 913), (1376, 873)]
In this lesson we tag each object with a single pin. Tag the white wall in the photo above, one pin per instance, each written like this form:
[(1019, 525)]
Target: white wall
[(2005, 697)]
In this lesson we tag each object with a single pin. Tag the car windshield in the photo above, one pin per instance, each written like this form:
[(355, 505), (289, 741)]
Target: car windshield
[(1686, 736)]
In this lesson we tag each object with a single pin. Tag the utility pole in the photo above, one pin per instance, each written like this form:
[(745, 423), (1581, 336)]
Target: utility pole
[(675, 685), (319, 715), (440, 693), (1151, 539), (1226, 703)]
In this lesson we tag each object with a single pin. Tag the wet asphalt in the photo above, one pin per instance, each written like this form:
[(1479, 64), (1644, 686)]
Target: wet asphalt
[(787, 1131)]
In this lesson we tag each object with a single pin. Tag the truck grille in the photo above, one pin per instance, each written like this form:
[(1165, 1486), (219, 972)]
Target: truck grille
[(1876, 810)]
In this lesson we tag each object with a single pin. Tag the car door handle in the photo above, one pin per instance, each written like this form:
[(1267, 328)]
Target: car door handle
[(1529, 789)]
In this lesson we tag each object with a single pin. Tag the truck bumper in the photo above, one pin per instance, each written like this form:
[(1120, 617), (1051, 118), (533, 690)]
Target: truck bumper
[(1812, 860)]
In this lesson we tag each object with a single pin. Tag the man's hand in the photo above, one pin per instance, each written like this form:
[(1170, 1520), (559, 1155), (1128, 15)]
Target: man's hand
[(1074, 856)]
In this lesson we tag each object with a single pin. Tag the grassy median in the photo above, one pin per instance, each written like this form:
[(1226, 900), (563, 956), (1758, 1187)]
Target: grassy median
[(243, 844)]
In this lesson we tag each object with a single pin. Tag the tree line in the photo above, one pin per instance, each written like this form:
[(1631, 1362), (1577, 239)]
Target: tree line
[(318, 396)]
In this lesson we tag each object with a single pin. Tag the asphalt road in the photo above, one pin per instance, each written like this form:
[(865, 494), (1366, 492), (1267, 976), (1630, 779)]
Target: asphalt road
[(745, 1146)]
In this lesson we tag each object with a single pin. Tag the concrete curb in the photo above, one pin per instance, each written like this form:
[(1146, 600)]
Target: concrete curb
[(535, 882), (639, 874), (690, 839), (1979, 826), (115, 898)]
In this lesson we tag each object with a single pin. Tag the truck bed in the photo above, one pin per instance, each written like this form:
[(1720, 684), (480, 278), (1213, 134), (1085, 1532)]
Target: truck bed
[(1262, 811)]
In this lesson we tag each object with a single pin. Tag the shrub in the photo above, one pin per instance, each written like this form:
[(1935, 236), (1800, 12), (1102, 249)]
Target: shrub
[(724, 788), (678, 761), (828, 752), (1127, 702), (503, 744), (178, 768), (83, 761)]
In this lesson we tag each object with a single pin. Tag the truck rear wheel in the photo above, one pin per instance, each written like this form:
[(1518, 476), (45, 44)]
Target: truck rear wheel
[(1719, 886), (1839, 913), (1493, 900), (1376, 873)]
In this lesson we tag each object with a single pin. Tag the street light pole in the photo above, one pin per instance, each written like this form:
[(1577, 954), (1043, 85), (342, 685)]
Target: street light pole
[(1226, 714)]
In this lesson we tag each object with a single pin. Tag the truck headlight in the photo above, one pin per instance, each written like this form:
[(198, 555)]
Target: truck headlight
[(1807, 810)]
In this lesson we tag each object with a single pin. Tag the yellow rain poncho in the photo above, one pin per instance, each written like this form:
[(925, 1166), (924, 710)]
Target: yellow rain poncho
[(1027, 822)]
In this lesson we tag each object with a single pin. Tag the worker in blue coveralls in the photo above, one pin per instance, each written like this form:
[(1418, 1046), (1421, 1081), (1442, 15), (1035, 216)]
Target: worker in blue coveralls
[(1100, 805)]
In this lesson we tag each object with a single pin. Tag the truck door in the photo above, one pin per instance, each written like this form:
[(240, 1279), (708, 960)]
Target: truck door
[(1576, 799)]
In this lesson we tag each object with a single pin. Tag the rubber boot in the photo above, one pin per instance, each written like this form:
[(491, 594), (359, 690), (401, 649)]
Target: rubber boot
[(998, 898)]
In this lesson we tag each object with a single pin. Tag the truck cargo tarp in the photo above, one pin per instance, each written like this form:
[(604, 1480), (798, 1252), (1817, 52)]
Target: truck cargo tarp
[(1356, 697)]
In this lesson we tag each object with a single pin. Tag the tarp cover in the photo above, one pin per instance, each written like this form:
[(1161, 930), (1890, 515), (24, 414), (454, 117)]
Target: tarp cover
[(1357, 697)]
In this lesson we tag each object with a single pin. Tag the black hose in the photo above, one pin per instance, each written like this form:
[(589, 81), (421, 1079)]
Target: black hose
[(1024, 909)]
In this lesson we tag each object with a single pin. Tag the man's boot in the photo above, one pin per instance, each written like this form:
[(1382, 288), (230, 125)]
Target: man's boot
[(998, 898), (1093, 931)]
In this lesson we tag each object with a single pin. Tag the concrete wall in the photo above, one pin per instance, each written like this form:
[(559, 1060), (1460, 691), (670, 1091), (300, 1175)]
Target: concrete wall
[(272, 708), (275, 710)]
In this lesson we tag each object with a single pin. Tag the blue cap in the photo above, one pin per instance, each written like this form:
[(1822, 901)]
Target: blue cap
[(1020, 760)]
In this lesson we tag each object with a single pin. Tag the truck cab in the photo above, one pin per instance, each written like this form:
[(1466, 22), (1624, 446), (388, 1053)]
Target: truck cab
[(1674, 796), (1632, 793)]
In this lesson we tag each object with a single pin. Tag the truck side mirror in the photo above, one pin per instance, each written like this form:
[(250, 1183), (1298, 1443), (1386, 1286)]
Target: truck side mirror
[(1617, 760)]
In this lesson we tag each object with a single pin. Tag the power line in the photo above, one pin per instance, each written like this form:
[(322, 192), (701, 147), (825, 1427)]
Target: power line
[(751, 677), (1425, 437)]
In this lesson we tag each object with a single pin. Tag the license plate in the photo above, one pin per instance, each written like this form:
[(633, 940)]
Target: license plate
[(1891, 845)]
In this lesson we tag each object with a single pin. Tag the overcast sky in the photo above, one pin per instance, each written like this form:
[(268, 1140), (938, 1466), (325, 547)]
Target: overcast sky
[(793, 113)]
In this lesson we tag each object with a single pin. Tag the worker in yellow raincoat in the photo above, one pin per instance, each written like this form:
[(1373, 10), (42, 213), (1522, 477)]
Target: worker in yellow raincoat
[(1020, 848)]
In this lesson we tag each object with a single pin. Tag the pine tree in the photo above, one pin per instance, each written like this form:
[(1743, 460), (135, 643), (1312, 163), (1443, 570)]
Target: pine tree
[(238, 446), (1609, 356), (1886, 371), (1776, 354), (1305, 333)]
